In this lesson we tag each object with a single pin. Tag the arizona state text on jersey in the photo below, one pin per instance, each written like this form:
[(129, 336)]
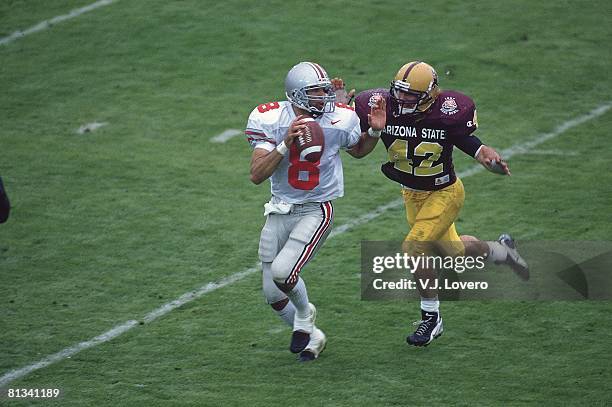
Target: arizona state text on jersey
[(420, 147)]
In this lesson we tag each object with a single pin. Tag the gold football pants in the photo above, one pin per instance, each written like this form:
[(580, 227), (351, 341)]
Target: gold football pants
[(431, 216)]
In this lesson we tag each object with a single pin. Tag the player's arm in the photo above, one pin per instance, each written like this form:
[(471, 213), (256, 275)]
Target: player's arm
[(264, 162), (491, 160), (376, 119), (485, 155), (472, 146)]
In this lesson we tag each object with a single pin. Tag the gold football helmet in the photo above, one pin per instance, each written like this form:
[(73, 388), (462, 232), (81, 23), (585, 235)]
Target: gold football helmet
[(414, 88)]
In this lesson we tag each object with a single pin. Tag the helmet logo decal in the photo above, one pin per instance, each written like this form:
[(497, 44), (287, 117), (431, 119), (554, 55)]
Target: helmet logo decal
[(449, 106)]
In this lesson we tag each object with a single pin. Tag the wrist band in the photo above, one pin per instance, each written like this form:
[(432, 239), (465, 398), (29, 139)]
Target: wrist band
[(282, 148), (374, 133)]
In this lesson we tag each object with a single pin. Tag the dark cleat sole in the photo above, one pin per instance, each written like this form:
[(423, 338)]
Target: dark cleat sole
[(307, 356), (422, 344)]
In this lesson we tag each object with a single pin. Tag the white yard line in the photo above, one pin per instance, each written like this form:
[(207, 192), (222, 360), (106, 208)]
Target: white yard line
[(43, 25), (520, 148), (67, 353), (553, 152), (225, 136)]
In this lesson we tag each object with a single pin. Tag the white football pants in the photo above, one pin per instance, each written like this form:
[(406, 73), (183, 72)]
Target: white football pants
[(289, 241)]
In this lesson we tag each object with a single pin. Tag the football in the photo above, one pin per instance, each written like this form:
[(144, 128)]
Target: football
[(311, 143)]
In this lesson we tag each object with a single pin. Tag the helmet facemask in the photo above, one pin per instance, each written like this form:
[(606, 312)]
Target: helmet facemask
[(315, 104)]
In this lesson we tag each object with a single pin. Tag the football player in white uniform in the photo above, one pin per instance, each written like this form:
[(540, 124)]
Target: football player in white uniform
[(300, 213)]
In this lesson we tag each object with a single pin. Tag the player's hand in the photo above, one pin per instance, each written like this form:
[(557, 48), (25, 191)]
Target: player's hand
[(492, 161), (342, 96), (297, 128), (378, 114)]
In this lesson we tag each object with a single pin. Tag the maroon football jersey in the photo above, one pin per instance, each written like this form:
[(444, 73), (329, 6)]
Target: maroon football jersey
[(420, 148)]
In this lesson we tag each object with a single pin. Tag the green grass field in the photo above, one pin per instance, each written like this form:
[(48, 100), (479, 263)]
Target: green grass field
[(109, 225)]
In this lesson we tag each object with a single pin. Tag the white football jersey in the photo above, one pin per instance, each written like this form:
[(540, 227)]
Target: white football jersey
[(297, 181)]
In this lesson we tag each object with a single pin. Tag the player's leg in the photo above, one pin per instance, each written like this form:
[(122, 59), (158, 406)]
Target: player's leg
[(273, 236), (430, 215), (277, 299), (501, 251), (305, 239)]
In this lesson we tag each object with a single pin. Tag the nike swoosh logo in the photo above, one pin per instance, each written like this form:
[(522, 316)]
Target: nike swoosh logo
[(334, 122)]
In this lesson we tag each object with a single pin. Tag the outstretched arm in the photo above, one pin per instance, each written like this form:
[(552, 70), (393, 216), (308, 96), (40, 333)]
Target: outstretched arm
[(376, 119)]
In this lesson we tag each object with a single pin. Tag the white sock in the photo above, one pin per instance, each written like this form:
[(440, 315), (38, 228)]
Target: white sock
[(430, 304), (299, 297), (497, 252), (287, 313)]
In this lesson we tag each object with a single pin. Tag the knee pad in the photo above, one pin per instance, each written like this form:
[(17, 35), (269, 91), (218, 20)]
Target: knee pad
[(270, 290), (280, 269)]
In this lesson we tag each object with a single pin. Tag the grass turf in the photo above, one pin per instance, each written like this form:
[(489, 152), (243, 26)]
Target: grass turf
[(109, 225)]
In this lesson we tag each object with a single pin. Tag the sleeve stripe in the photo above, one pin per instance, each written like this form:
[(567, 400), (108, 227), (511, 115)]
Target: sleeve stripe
[(258, 136), (260, 140), (255, 133)]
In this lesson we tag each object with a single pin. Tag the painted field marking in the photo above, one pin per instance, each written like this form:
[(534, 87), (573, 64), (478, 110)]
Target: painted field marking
[(553, 152), (120, 329), (89, 127), (43, 25), (226, 135)]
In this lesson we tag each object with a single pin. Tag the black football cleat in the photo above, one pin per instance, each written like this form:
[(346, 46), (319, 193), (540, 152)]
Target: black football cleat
[(430, 327), (307, 356), (514, 259), (299, 341), (302, 327)]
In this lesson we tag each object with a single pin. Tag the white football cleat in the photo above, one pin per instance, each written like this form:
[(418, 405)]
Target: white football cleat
[(514, 259), (317, 343), (302, 329)]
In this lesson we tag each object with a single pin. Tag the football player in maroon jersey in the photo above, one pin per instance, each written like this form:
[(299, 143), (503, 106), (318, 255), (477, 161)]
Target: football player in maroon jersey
[(421, 127)]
